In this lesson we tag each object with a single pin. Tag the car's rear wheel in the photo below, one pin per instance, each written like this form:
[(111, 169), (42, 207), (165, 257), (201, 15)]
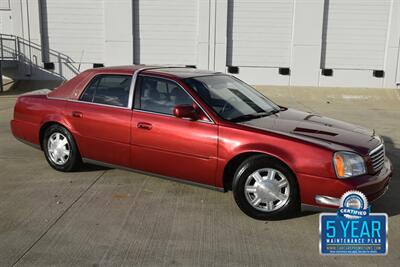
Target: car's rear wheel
[(60, 149), (266, 189)]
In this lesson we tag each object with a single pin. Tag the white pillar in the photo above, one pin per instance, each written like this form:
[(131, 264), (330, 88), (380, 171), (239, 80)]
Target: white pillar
[(392, 57), (220, 44), (212, 23), (203, 22), (306, 42)]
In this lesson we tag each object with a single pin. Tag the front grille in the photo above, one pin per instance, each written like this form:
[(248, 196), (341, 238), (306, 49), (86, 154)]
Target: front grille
[(377, 157)]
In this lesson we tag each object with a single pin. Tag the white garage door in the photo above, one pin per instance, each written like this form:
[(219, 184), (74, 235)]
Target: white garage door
[(356, 32), (260, 32), (75, 28), (166, 32), (4, 4)]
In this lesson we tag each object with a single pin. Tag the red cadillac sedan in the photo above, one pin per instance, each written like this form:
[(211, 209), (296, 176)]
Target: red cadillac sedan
[(204, 128)]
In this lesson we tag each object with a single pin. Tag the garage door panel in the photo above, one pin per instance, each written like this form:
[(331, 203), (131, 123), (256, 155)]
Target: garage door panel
[(166, 32), (356, 33), (260, 33), (75, 28)]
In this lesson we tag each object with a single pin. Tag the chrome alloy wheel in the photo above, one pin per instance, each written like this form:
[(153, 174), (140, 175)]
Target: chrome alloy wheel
[(58, 148), (267, 189)]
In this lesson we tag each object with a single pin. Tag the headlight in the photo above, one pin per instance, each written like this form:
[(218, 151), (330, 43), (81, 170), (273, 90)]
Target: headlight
[(348, 164)]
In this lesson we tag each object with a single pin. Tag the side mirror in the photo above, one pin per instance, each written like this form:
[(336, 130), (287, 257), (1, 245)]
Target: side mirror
[(186, 112)]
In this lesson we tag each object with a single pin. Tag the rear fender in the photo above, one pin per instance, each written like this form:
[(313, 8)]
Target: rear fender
[(52, 119)]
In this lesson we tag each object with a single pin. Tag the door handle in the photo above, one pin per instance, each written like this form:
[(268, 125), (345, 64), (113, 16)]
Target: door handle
[(77, 114), (144, 125)]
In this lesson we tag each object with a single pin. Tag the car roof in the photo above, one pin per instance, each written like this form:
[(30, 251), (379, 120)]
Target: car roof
[(172, 71)]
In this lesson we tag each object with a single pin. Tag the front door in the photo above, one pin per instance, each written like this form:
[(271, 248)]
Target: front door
[(165, 144), (101, 120)]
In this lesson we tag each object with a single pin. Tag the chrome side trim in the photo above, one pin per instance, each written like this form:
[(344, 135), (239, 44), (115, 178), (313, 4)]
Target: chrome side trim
[(134, 78), (133, 83), (108, 165), (326, 200), (84, 102)]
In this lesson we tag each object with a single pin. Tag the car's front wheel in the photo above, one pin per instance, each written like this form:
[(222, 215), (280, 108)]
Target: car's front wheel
[(60, 149), (265, 189)]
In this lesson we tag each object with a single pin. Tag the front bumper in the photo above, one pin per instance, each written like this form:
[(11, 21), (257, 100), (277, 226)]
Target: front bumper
[(326, 192)]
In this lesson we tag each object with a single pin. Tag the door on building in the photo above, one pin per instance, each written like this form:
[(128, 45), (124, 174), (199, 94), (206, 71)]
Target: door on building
[(6, 25), (259, 33), (355, 34), (165, 32)]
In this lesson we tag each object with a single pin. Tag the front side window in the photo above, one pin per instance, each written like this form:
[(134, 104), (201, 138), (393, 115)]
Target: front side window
[(109, 90), (231, 98), (159, 95)]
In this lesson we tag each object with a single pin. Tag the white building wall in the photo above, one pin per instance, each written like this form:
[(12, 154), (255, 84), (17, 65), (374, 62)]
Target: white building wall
[(350, 37)]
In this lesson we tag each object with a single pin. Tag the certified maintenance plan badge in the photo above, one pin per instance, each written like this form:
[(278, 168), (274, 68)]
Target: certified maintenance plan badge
[(353, 230)]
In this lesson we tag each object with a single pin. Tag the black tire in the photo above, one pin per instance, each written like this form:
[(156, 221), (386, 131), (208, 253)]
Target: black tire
[(290, 208), (73, 161)]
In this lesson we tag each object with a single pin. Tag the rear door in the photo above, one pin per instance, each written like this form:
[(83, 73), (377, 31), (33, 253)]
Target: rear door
[(165, 144), (101, 119)]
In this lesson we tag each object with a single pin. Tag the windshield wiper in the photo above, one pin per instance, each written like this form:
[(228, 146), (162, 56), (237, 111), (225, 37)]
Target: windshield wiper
[(252, 116)]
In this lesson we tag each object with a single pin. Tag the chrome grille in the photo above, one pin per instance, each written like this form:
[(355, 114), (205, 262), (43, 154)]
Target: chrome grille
[(377, 157)]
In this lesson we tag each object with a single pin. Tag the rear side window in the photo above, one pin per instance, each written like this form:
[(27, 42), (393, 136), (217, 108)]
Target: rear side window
[(109, 90)]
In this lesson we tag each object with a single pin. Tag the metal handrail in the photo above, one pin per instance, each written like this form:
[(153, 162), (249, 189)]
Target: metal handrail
[(12, 51), (7, 52), (13, 48)]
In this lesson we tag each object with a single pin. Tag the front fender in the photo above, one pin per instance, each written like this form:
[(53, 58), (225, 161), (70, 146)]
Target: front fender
[(300, 156)]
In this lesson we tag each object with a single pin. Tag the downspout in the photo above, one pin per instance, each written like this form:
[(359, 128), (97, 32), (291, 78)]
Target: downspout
[(29, 39), (43, 32), (398, 66)]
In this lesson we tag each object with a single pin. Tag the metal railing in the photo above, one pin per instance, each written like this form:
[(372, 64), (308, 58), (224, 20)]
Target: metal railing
[(8, 51), (30, 54), (8, 47)]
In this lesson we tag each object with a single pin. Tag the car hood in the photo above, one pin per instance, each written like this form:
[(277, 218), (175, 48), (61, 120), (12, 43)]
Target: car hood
[(337, 134)]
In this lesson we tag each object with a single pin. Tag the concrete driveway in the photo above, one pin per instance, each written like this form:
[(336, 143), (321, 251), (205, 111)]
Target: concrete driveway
[(108, 217)]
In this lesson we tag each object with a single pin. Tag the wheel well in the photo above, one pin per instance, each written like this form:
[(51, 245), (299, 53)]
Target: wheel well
[(234, 163), (43, 130)]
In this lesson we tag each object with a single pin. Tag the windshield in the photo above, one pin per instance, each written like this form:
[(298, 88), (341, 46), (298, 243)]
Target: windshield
[(231, 98)]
